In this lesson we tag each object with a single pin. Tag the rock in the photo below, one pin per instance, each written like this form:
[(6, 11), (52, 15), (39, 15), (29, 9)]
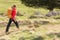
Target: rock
[(37, 13), (37, 22), (36, 25), (52, 13), (19, 14), (36, 16), (32, 17), (30, 26), (48, 15), (44, 22)]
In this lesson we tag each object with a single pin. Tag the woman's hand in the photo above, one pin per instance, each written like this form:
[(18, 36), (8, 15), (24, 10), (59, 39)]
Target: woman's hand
[(14, 18)]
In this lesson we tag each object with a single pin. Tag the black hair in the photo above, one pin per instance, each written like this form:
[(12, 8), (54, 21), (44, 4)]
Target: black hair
[(14, 5)]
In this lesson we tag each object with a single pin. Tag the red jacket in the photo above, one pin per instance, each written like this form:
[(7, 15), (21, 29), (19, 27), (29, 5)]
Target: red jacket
[(13, 13)]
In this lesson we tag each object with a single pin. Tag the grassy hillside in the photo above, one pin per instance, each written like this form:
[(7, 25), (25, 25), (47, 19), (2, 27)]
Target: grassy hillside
[(44, 29), (4, 4)]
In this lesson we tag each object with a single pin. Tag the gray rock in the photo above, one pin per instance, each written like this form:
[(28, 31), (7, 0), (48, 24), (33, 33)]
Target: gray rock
[(48, 15), (36, 16), (52, 13), (37, 13), (44, 22)]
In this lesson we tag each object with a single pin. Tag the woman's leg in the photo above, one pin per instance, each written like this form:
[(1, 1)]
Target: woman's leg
[(16, 23), (8, 26)]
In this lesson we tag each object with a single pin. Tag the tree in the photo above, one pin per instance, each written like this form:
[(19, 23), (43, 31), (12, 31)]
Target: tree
[(49, 4)]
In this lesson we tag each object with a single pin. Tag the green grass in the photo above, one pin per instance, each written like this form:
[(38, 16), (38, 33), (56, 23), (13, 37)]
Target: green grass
[(41, 31), (4, 5)]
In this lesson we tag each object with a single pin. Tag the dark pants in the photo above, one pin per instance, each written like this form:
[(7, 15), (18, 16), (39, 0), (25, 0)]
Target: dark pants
[(9, 23)]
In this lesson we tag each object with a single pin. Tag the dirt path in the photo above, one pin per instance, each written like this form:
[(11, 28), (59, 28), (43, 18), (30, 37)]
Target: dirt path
[(49, 28), (52, 28)]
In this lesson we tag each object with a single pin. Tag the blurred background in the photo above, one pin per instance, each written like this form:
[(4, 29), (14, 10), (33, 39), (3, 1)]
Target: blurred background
[(38, 20)]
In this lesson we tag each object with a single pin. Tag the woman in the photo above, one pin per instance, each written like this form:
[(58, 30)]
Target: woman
[(12, 18)]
